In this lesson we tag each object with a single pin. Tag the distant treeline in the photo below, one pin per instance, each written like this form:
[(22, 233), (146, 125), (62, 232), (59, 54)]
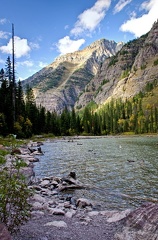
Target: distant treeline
[(21, 116)]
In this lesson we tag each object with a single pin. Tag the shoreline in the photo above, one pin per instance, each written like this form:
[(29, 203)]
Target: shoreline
[(55, 217)]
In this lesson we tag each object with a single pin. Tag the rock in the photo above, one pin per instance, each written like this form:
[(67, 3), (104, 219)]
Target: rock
[(4, 234), (67, 205), (45, 183), (70, 213), (54, 192), (46, 192), (56, 211), (83, 202), (93, 213), (37, 188), (140, 224), (85, 220), (38, 198), (108, 213), (54, 183), (37, 214), (118, 216), (37, 206), (59, 224), (33, 159), (72, 175), (15, 151)]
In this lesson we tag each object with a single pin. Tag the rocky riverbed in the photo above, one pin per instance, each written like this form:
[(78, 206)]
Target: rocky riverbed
[(56, 214)]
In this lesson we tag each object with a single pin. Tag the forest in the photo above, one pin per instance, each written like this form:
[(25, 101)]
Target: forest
[(20, 115)]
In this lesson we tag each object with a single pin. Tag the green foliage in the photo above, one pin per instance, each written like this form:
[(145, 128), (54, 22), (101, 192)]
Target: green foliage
[(124, 52), (149, 87), (14, 194), (143, 66), (125, 73), (104, 82), (113, 61), (3, 153), (2, 160), (156, 62)]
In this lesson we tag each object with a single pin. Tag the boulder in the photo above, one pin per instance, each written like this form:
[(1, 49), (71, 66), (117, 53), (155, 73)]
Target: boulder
[(83, 202), (141, 223), (4, 234), (59, 224)]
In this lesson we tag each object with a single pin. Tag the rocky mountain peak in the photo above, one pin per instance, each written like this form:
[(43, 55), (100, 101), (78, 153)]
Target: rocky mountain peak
[(60, 83), (101, 71)]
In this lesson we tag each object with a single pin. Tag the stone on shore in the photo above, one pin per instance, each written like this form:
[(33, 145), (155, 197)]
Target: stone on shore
[(59, 224), (4, 234), (140, 224)]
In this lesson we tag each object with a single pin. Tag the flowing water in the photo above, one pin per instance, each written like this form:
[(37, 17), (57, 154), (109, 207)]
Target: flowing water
[(122, 171)]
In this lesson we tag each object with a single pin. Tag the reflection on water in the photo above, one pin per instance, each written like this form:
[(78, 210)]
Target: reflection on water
[(123, 171)]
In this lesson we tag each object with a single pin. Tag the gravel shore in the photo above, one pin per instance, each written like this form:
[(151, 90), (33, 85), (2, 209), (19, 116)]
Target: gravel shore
[(75, 229)]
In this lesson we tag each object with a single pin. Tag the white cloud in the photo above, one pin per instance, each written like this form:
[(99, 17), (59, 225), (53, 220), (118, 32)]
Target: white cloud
[(26, 63), (43, 64), (34, 45), (141, 25), (3, 21), (21, 47), (66, 45), (91, 18), (120, 5), (3, 35), (66, 27), (2, 61), (147, 5)]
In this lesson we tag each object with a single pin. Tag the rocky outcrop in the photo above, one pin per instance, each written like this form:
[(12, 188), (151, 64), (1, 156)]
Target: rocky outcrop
[(59, 84), (125, 74), (4, 234), (141, 223), (101, 71)]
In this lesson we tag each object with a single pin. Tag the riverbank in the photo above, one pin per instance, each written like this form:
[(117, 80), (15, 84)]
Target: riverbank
[(56, 215)]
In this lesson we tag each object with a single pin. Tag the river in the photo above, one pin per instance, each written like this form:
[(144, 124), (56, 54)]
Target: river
[(123, 171)]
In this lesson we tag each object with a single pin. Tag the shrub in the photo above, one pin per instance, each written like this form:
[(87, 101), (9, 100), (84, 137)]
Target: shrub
[(14, 194), (156, 62)]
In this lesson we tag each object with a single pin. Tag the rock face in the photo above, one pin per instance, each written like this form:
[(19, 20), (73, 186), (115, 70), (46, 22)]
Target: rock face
[(141, 223), (101, 71), (127, 73), (4, 234), (59, 84)]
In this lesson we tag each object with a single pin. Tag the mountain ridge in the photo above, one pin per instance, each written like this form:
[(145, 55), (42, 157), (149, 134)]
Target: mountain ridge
[(101, 71)]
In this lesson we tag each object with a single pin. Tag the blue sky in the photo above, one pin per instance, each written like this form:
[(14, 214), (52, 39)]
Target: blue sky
[(46, 29)]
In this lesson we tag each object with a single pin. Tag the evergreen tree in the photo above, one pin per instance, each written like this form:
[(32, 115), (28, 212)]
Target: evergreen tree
[(73, 122), (48, 122), (87, 120), (20, 104), (65, 122)]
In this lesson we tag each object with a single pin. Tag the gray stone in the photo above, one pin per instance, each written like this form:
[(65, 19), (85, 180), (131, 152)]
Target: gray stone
[(70, 213), (93, 213), (140, 224), (59, 224), (118, 216), (56, 211), (83, 202), (38, 198), (4, 234), (37, 206), (45, 183)]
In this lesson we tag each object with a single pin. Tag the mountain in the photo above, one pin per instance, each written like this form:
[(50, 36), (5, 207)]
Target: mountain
[(102, 71), (127, 73), (59, 84)]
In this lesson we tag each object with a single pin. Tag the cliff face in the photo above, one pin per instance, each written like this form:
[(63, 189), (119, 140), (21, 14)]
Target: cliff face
[(101, 71), (60, 83), (127, 73)]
